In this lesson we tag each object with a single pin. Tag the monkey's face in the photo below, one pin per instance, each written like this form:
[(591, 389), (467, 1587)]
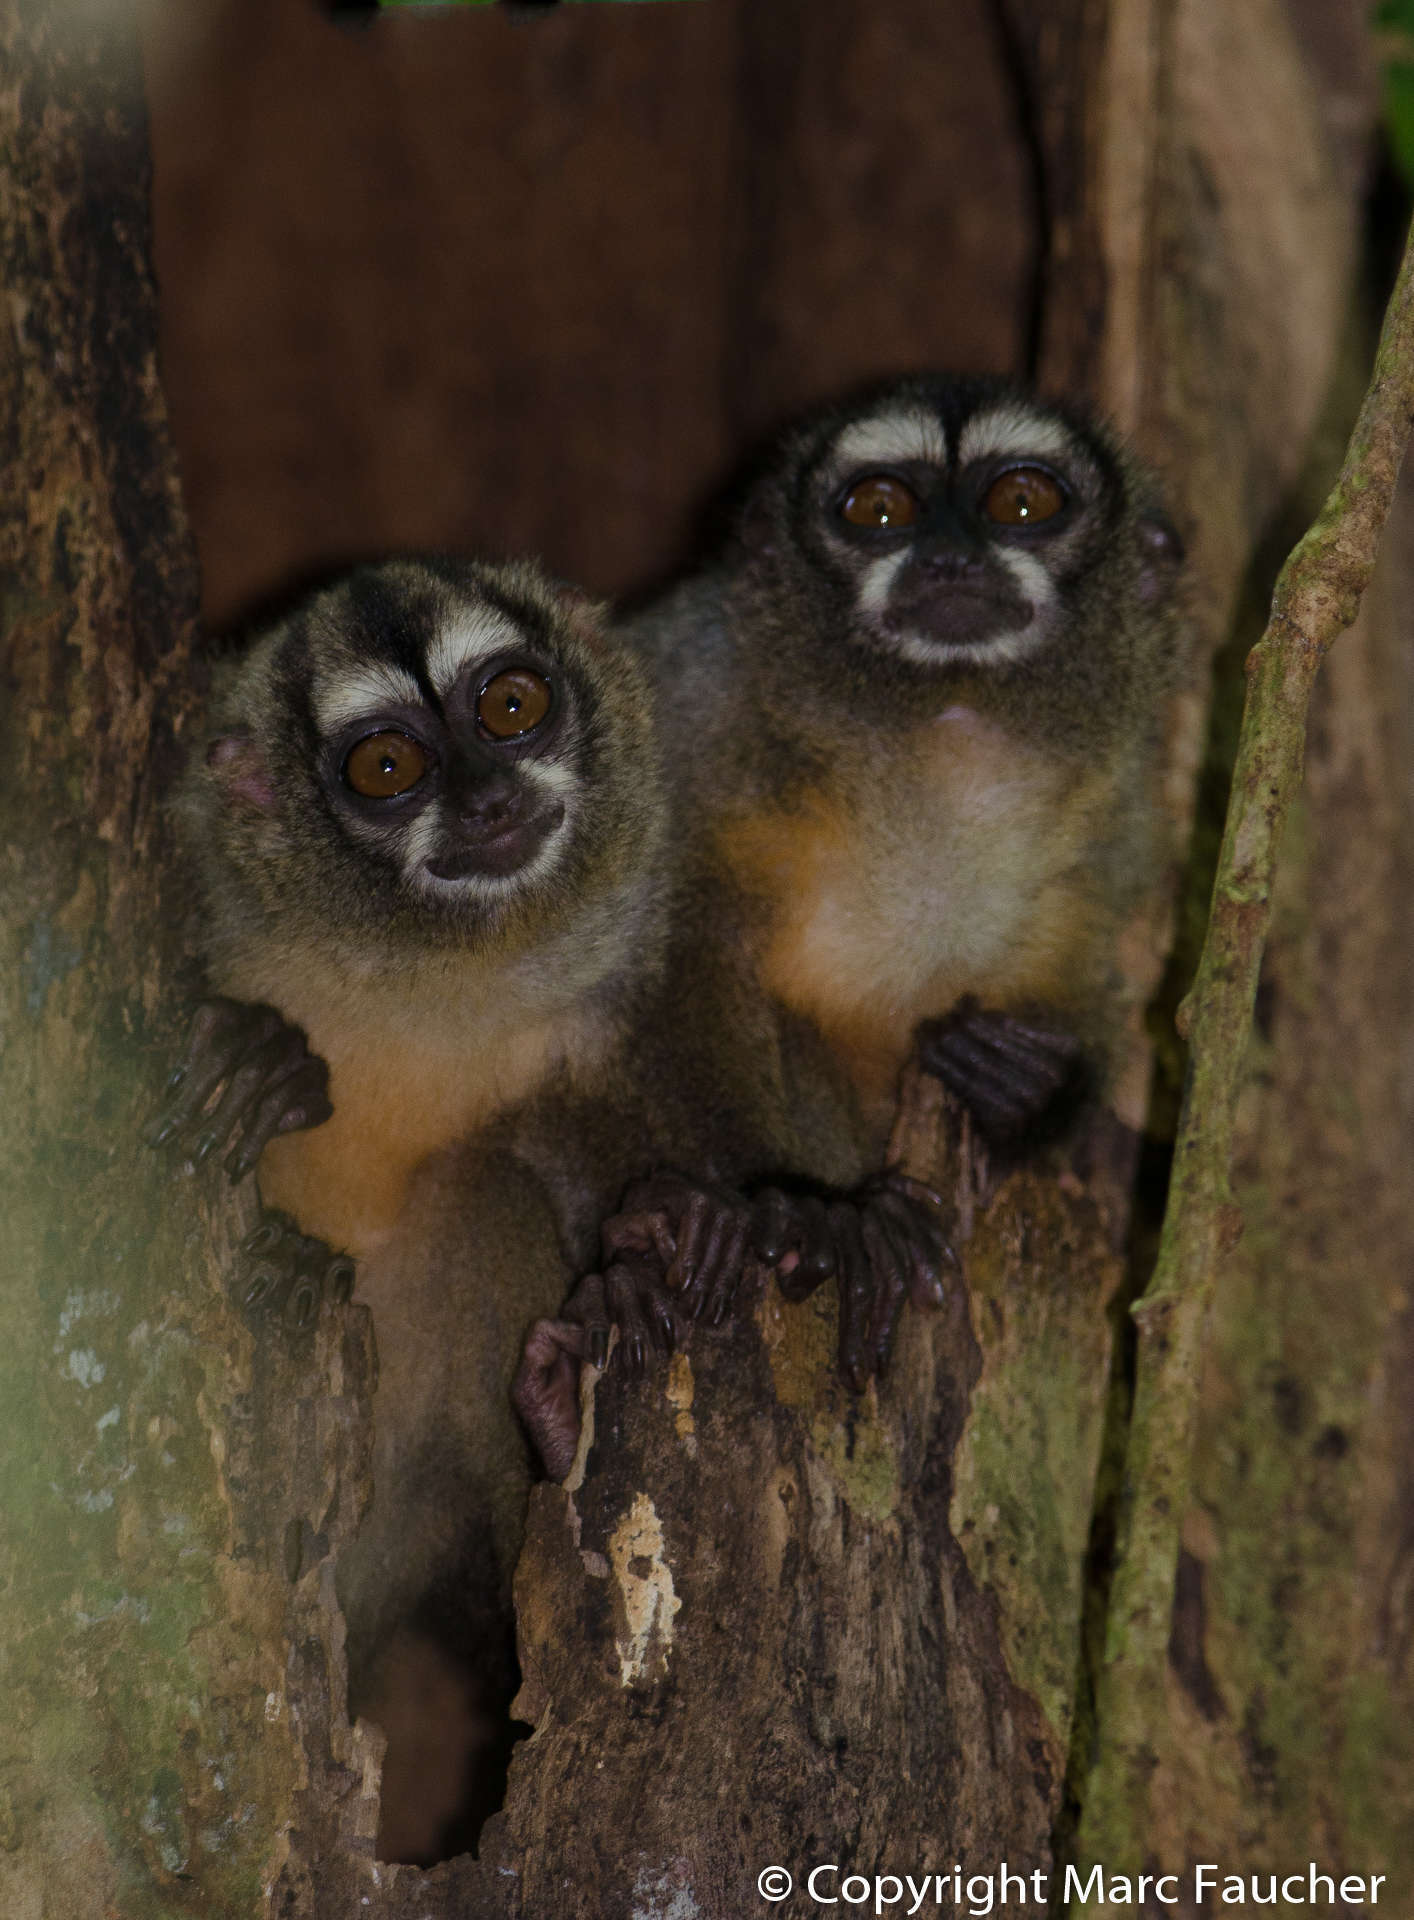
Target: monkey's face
[(462, 789), (954, 522), (434, 739)]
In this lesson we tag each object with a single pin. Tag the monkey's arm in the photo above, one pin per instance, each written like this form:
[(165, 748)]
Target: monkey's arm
[(1021, 1076), (273, 1084)]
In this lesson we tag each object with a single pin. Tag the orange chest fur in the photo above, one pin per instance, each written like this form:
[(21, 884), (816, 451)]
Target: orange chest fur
[(957, 865), (402, 1088)]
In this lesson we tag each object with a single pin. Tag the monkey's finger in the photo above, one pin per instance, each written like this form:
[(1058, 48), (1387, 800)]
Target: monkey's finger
[(672, 1332), (339, 1276), (856, 1287), (588, 1309), (888, 1254), (545, 1392), (772, 1226), (694, 1229), (657, 1305), (636, 1341), (220, 1034), (728, 1268), (1037, 1048), (1001, 1109), (930, 1257), (719, 1264), (1009, 1070), (642, 1224), (299, 1100)]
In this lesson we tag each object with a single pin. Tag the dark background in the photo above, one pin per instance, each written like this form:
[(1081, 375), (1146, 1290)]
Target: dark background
[(534, 284)]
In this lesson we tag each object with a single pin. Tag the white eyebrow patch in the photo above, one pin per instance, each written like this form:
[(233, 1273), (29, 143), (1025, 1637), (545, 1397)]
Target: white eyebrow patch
[(1013, 432), (470, 635), (888, 439), (341, 697)]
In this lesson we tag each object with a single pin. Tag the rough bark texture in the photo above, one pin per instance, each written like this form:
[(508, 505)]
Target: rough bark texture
[(149, 1748), (763, 1625), (1285, 1729)]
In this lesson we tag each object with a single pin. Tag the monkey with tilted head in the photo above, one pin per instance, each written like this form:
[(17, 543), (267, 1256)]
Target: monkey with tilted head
[(917, 707), (436, 870), (428, 828)]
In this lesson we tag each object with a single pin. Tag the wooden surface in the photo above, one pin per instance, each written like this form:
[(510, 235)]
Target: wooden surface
[(535, 284)]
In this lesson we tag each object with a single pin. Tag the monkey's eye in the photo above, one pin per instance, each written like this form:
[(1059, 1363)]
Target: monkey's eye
[(513, 703), (385, 764), (1023, 497), (880, 502)]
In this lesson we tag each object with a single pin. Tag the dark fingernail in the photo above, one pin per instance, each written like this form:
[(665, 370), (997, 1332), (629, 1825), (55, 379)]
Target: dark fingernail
[(259, 1290), (204, 1148), (303, 1304), (599, 1350), (159, 1136), (175, 1078), (260, 1238), (340, 1279)]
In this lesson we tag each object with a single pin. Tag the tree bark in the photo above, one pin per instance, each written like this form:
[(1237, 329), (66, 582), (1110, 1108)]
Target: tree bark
[(151, 1744)]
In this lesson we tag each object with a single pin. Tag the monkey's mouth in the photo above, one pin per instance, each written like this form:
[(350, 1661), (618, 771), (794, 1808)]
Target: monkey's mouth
[(956, 613), (494, 852)]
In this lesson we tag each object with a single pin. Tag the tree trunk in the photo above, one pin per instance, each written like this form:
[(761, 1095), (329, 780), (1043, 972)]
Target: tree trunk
[(763, 1624), (159, 1665)]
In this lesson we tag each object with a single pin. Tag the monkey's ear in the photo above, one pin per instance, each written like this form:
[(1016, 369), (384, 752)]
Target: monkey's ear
[(586, 615), (1160, 555), (755, 528), (239, 765)]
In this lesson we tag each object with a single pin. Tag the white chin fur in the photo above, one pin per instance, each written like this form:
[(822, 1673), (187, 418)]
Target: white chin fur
[(1004, 649)]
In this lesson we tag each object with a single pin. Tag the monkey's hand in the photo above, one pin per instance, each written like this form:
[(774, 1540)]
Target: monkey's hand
[(629, 1295), (1016, 1075), (545, 1391), (286, 1276), (698, 1234), (266, 1079), (884, 1243)]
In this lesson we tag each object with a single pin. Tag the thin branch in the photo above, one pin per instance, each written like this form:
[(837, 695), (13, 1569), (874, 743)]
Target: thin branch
[(1317, 597)]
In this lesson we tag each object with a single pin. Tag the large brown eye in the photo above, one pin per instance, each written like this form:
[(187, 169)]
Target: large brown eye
[(1023, 497), (515, 702), (881, 503), (385, 764)]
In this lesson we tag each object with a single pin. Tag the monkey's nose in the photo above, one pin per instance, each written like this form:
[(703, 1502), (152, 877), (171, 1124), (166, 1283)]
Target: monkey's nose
[(486, 807), (948, 561)]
